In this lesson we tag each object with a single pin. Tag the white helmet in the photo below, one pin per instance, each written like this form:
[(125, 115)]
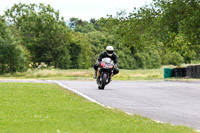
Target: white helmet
[(109, 50)]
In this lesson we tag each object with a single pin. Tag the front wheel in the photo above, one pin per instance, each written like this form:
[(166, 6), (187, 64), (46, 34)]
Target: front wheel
[(103, 81)]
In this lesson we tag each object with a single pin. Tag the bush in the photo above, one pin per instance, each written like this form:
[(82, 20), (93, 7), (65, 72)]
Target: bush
[(80, 52), (173, 58), (148, 60), (126, 59), (13, 57), (138, 60)]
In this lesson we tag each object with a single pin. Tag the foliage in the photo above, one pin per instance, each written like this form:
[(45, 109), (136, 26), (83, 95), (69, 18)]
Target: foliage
[(13, 57), (99, 41), (163, 22), (80, 51), (180, 19), (173, 58), (135, 40), (148, 60), (164, 32), (79, 25), (42, 33), (126, 59)]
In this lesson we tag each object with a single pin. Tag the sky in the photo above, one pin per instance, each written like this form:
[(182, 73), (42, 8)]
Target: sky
[(82, 9)]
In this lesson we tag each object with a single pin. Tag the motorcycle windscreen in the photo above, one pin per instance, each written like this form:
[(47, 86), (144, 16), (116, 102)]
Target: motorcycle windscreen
[(107, 60)]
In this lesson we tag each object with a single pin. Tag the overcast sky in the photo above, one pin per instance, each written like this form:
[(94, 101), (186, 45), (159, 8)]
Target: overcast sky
[(83, 9)]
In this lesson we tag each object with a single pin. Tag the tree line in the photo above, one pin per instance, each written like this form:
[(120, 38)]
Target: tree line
[(165, 32)]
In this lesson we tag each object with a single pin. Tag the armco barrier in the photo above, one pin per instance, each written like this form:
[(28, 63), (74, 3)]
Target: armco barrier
[(179, 72), (189, 72), (197, 71)]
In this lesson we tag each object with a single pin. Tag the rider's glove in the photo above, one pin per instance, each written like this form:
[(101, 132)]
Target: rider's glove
[(97, 63), (115, 66)]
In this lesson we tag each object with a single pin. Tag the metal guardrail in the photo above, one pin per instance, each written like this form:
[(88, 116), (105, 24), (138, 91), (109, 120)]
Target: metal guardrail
[(192, 71)]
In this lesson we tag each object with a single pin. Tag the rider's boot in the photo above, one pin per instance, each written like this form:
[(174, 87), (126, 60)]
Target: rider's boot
[(110, 78), (95, 75)]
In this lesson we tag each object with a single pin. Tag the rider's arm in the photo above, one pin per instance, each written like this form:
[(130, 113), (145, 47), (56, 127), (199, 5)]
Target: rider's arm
[(115, 59), (100, 57)]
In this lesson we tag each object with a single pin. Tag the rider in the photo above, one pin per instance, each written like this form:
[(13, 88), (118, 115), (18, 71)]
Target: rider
[(110, 54)]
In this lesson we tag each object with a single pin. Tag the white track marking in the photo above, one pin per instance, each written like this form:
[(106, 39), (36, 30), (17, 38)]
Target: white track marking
[(81, 94)]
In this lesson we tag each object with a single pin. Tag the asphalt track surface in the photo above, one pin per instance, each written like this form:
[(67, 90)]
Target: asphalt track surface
[(172, 102)]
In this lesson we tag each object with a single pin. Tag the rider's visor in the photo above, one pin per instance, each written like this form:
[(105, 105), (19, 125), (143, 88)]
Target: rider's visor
[(109, 52)]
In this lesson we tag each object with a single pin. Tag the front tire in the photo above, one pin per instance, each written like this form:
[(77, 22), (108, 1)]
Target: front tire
[(103, 82)]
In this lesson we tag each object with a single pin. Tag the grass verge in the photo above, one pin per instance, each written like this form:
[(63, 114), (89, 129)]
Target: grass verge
[(86, 74), (47, 108)]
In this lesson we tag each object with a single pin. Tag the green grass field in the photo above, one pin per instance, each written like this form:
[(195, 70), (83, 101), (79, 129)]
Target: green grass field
[(87, 74), (47, 108)]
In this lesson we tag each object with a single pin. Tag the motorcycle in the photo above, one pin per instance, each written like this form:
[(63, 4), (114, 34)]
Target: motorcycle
[(105, 72)]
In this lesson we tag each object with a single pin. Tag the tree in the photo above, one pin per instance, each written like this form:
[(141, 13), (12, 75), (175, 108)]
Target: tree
[(79, 25), (13, 57), (80, 51), (180, 20), (136, 36), (42, 32), (99, 41)]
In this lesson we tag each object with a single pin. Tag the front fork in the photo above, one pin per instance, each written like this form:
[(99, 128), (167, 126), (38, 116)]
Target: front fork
[(109, 75)]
